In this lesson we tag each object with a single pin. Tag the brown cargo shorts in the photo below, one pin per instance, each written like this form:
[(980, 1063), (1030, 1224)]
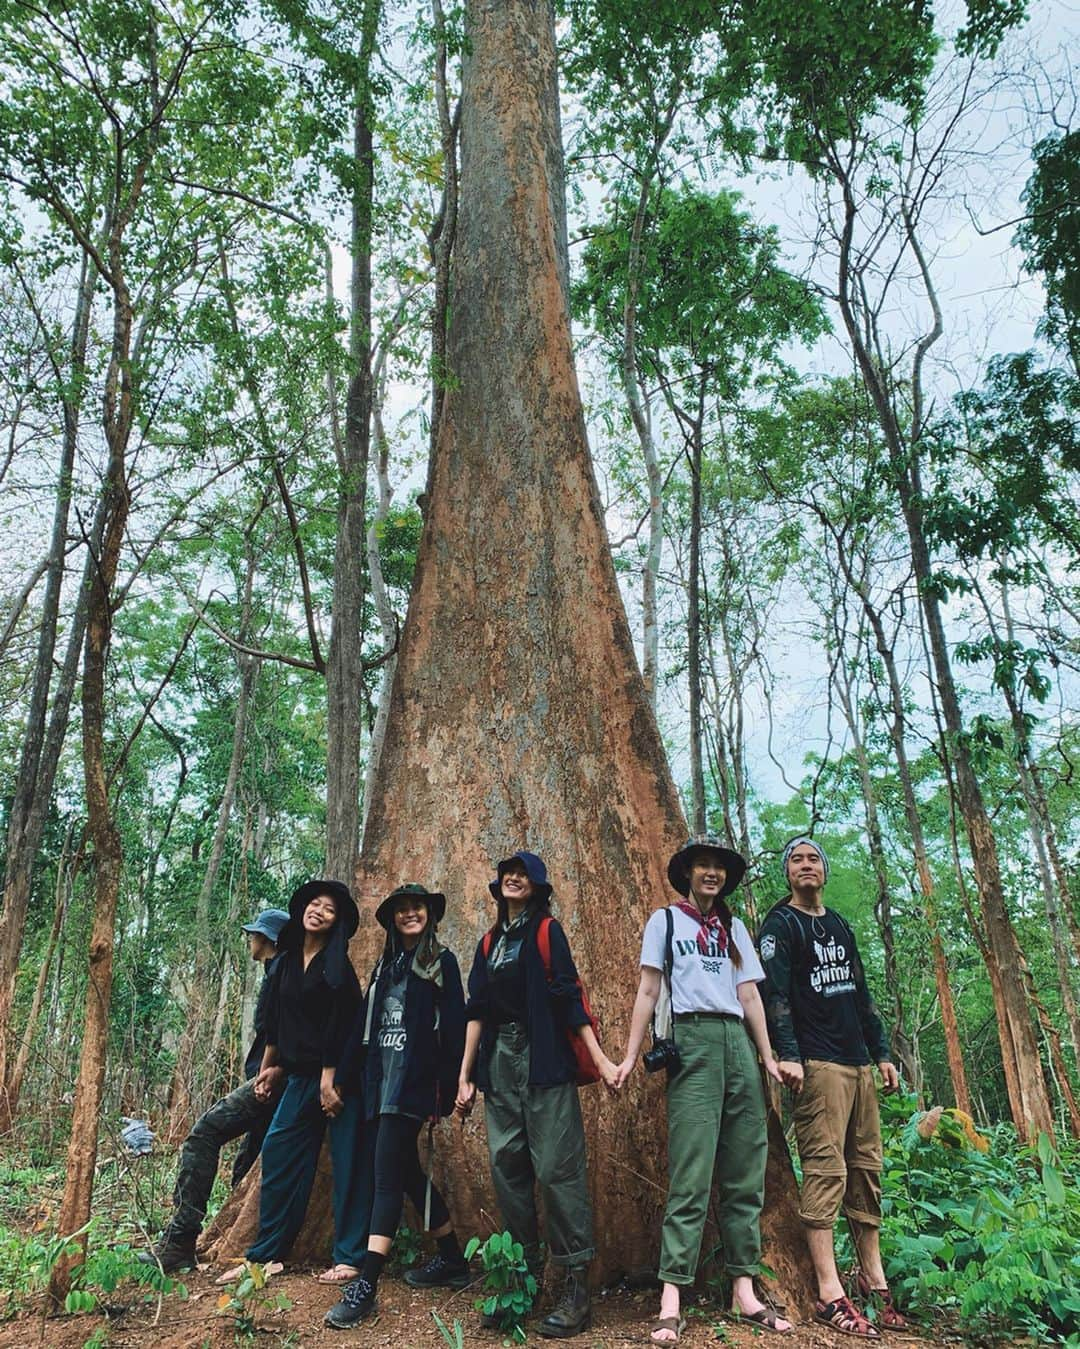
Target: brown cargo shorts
[(838, 1129)]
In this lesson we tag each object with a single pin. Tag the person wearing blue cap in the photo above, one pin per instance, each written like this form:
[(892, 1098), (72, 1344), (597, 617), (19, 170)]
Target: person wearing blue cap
[(827, 1033), (241, 1112), (521, 1006)]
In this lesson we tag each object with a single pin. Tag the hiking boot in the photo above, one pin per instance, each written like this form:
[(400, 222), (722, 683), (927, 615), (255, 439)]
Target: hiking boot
[(356, 1305), (573, 1311), (175, 1255), (440, 1273)]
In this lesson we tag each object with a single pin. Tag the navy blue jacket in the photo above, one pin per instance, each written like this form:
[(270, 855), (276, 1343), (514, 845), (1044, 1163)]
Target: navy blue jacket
[(432, 1057), (550, 1009)]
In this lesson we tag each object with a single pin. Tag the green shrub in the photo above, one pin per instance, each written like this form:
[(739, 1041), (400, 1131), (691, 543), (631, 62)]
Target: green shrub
[(509, 1288), (991, 1239)]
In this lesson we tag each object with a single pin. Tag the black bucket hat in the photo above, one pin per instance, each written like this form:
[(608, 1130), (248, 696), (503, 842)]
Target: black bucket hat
[(534, 869), (732, 862), (436, 903), (348, 915)]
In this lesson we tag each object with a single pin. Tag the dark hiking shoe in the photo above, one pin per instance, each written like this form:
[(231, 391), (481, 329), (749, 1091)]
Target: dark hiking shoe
[(440, 1273), (356, 1305), (175, 1255), (573, 1311)]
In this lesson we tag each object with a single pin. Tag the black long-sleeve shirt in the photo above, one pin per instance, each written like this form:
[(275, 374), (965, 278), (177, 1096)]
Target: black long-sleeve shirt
[(816, 1000), (307, 1021)]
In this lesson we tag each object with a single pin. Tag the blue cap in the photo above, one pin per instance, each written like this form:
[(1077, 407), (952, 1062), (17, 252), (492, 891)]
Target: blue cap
[(268, 924)]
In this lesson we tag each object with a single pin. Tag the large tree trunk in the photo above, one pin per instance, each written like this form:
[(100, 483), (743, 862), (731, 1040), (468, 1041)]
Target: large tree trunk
[(518, 715)]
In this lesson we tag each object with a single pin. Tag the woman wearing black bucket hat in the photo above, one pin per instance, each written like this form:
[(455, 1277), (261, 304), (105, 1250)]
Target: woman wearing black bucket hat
[(311, 1003), (522, 1003), (715, 1102), (402, 1059)]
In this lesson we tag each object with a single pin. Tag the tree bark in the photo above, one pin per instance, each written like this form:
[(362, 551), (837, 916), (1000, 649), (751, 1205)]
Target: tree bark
[(693, 638), (36, 773), (1029, 1099), (344, 665), (518, 715)]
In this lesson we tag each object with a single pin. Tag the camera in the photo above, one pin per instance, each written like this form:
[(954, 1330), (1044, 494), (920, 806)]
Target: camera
[(664, 1054)]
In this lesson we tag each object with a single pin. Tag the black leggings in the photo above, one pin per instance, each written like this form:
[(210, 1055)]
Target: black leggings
[(391, 1144)]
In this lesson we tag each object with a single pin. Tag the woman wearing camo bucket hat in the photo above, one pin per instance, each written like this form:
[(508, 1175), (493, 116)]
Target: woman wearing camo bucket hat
[(402, 1060), (715, 1102), (524, 997)]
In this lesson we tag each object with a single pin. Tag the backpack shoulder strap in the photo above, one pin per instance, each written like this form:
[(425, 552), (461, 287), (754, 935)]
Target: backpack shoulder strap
[(486, 942), (543, 943)]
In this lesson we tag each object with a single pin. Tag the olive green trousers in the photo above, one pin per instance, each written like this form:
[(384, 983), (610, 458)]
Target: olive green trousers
[(716, 1123), (536, 1138)]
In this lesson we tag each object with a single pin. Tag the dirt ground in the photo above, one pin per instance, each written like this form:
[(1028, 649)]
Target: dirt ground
[(404, 1321)]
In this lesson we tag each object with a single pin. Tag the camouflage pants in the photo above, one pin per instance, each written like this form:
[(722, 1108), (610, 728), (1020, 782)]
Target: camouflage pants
[(238, 1113)]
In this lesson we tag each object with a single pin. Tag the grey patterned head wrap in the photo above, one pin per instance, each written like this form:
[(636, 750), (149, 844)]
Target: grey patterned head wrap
[(810, 843)]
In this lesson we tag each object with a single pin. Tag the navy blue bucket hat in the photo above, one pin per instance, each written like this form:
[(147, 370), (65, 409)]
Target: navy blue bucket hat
[(678, 868), (534, 869)]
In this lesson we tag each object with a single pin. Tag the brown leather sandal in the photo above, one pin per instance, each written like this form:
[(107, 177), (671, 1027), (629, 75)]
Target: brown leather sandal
[(890, 1316), (844, 1316)]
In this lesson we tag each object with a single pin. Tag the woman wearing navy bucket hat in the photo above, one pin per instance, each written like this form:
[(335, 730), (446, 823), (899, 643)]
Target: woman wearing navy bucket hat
[(715, 1101), (402, 1059), (311, 1003), (524, 998)]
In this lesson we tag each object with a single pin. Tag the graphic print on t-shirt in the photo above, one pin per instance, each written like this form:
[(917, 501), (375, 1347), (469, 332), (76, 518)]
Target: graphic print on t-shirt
[(831, 975), (713, 958), (391, 1027)]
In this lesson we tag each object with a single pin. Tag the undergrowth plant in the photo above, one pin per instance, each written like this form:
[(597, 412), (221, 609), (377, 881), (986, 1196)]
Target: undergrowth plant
[(26, 1263), (248, 1299), (989, 1239), (509, 1287)]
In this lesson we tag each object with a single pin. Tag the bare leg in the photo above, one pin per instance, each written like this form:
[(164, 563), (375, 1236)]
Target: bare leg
[(868, 1244), (746, 1301), (669, 1307), (820, 1242)]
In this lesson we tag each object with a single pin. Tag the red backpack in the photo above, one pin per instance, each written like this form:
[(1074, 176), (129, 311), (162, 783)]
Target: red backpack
[(587, 1072)]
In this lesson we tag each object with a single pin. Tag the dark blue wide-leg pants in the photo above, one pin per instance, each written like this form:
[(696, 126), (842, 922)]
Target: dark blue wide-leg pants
[(290, 1155)]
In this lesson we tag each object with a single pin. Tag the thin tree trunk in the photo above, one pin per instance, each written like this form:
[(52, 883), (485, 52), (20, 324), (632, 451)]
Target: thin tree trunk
[(693, 638), (901, 1040), (344, 666), (897, 721), (36, 772), (185, 1096), (1029, 1100), (104, 834)]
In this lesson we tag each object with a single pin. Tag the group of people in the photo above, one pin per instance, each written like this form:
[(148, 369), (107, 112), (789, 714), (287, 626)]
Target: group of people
[(373, 1067)]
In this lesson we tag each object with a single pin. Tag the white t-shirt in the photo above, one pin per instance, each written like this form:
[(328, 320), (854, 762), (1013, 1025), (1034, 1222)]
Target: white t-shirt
[(700, 981)]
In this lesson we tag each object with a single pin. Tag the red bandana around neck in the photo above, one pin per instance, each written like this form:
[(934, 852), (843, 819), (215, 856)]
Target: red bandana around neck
[(712, 926)]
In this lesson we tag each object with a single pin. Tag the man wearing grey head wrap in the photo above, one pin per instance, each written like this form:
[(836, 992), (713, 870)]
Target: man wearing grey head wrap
[(826, 1032)]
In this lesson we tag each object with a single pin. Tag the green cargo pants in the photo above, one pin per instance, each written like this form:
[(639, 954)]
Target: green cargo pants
[(716, 1117), (535, 1136)]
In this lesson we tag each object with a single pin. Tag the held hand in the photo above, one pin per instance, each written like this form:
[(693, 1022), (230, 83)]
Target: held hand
[(623, 1071), (330, 1099), (266, 1083), (890, 1078), (609, 1073), (791, 1074), (466, 1095), (773, 1071)]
